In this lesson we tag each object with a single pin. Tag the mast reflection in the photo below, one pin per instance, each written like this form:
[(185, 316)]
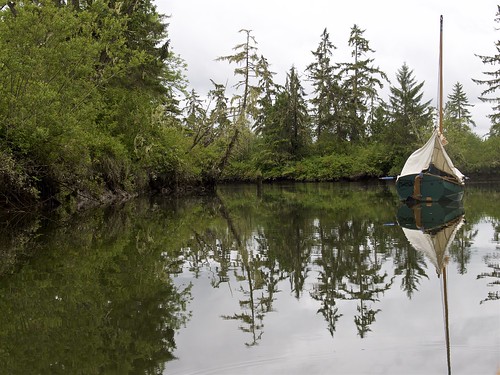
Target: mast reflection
[(431, 228)]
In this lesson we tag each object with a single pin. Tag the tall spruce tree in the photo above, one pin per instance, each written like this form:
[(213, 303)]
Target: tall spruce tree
[(456, 110), (360, 84), (268, 91), (287, 132), (326, 90), (410, 117), (246, 59), (297, 121), (492, 83), (245, 110)]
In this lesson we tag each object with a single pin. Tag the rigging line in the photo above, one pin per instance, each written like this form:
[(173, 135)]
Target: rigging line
[(441, 75)]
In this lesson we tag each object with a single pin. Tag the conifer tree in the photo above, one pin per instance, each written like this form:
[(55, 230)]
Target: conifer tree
[(246, 59), (219, 117), (297, 119), (195, 120), (410, 117), (326, 90), (287, 132), (456, 109), (268, 90), (492, 83), (361, 81)]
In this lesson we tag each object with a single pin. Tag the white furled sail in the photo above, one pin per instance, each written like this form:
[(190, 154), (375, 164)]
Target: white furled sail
[(432, 153)]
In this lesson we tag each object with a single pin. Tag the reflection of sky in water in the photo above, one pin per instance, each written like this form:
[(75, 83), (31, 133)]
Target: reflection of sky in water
[(407, 336)]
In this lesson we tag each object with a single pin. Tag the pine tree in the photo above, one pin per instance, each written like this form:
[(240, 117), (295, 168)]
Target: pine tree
[(196, 117), (326, 90), (456, 110), (246, 59), (410, 117), (492, 83), (268, 91), (360, 85), (287, 132), (297, 119)]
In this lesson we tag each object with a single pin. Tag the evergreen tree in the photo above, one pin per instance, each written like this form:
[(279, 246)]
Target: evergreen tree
[(361, 81), (492, 82), (268, 91), (288, 131), (297, 120), (219, 118), (379, 121), (410, 117), (456, 110), (326, 90), (195, 121), (246, 103), (247, 59)]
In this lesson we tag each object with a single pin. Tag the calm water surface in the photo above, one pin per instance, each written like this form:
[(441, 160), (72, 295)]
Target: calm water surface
[(285, 279)]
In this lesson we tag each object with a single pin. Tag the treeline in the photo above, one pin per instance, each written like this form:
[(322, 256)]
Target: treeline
[(94, 104)]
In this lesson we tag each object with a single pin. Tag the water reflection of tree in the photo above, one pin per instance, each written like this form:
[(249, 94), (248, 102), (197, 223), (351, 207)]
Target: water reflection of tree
[(292, 245), (280, 232), (332, 266), (351, 269), (366, 283), (492, 260), (256, 277), (98, 298), (460, 249), (20, 234), (410, 264)]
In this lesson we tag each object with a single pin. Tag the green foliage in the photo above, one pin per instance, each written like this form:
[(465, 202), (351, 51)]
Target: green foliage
[(76, 92), (457, 109), (15, 180), (102, 290), (491, 82), (88, 107)]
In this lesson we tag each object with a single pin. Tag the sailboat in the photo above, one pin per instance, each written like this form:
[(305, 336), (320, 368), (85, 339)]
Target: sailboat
[(431, 228), (429, 174)]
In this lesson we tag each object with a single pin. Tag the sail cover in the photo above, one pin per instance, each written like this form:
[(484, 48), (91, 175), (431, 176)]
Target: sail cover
[(432, 152), (434, 245)]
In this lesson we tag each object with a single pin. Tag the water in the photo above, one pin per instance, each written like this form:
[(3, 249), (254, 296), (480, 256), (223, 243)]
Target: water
[(286, 279)]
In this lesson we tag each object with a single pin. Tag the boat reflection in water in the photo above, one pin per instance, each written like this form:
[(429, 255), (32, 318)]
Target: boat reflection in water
[(430, 228)]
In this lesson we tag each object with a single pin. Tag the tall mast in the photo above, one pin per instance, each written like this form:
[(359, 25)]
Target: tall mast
[(441, 75)]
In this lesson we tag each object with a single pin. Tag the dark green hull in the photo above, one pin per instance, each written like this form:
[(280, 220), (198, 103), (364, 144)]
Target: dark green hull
[(428, 188), (429, 216)]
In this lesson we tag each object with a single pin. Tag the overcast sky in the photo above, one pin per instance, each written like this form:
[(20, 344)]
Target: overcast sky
[(288, 30)]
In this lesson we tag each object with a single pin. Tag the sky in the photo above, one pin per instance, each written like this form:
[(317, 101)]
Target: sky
[(287, 31)]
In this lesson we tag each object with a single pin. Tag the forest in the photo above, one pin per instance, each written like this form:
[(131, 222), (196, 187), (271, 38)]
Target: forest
[(95, 106)]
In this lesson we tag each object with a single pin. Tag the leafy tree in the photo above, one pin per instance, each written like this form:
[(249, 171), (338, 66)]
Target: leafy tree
[(492, 83), (79, 95)]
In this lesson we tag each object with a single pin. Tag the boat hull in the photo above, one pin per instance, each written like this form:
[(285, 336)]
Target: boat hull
[(429, 216), (425, 187)]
